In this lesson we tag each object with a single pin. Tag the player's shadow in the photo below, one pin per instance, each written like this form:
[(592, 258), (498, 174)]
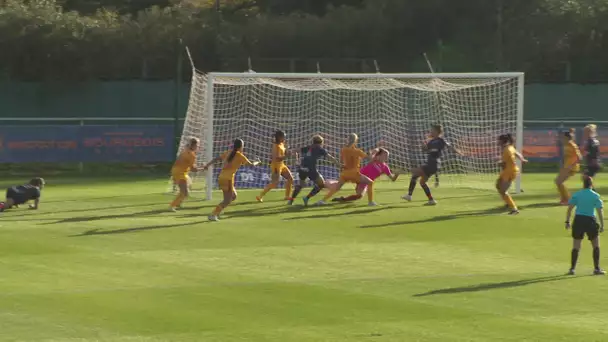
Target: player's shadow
[(335, 214), (267, 211), (540, 205), (487, 212), (108, 217), (495, 286), (98, 231)]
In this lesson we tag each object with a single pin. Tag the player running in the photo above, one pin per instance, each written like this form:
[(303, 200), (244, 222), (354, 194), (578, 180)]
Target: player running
[(571, 165), (592, 150), (21, 194), (434, 148), (179, 172), (351, 159), (278, 167), (586, 202), (509, 171), (373, 170), (233, 160), (308, 169)]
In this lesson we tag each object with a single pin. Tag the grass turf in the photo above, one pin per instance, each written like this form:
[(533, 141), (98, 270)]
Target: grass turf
[(104, 261)]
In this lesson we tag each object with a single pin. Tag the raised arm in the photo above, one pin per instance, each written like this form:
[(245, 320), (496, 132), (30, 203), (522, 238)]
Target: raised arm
[(247, 162), (213, 161), (333, 160), (520, 157)]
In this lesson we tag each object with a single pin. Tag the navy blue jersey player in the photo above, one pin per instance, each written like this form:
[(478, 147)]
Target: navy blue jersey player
[(434, 148), (592, 151), (308, 169), (21, 194)]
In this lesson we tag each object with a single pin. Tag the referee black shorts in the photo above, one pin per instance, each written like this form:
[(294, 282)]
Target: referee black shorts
[(585, 225)]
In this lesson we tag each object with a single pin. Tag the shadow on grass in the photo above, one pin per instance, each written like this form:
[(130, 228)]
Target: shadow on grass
[(335, 214), (108, 217), (495, 286), (441, 218), (540, 205), (259, 211), (98, 231)]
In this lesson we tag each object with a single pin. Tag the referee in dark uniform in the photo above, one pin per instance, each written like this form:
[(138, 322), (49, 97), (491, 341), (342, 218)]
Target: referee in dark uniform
[(587, 203)]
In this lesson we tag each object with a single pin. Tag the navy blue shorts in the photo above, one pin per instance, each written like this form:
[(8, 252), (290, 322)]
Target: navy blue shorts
[(429, 170), (305, 173), (17, 196)]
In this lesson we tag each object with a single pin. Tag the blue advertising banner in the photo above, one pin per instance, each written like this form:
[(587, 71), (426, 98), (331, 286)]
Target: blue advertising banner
[(254, 177), (100, 143)]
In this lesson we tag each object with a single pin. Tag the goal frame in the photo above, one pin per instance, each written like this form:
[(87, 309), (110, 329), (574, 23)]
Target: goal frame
[(209, 107)]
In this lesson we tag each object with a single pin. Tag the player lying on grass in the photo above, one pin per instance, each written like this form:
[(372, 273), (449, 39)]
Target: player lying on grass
[(310, 156), (434, 148), (179, 172), (21, 194), (376, 168), (233, 160), (587, 203), (351, 160), (592, 150), (509, 171), (278, 167), (571, 165)]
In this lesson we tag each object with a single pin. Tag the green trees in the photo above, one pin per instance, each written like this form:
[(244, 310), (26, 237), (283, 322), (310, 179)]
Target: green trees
[(552, 40)]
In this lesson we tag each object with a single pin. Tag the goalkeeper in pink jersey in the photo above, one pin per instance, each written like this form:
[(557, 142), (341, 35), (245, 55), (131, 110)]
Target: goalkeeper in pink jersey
[(376, 168)]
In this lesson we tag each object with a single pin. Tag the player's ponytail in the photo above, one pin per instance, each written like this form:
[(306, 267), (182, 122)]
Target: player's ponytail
[(506, 139), (279, 136), (238, 144), (569, 133), (193, 142)]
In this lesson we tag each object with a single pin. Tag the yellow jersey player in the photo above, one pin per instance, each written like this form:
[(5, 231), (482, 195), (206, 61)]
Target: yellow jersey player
[(351, 160), (278, 168), (233, 160), (570, 166), (509, 170), (179, 172)]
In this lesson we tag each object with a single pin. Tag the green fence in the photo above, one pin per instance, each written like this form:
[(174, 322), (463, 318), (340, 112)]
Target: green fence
[(167, 99)]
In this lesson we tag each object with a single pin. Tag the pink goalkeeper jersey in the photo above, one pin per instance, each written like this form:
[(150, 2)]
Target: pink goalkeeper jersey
[(374, 170)]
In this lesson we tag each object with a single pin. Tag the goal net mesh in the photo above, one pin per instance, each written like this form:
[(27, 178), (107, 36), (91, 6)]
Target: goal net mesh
[(395, 113)]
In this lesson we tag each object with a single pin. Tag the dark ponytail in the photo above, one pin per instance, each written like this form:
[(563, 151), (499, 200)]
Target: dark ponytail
[(238, 143), (278, 135), (506, 139), (569, 133)]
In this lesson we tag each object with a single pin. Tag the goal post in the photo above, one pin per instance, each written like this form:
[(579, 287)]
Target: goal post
[(394, 111)]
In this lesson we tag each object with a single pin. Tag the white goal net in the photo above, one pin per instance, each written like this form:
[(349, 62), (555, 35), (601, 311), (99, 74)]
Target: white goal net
[(394, 111)]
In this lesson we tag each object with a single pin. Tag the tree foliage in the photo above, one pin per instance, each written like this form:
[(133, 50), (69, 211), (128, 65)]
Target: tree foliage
[(117, 39)]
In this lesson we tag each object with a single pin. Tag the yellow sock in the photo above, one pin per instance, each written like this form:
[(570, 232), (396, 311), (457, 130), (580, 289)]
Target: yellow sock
[(370, 192), (288, 186), (178, 200), (509, 201), (217, 210), (563, 192)]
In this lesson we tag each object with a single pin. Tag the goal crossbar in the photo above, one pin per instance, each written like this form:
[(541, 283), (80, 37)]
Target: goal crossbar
[(363, 76)]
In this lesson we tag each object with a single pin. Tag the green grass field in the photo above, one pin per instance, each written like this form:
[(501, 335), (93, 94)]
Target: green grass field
[(105, 261)]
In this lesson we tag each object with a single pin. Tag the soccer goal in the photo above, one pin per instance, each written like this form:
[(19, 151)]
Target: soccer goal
[(386, 110)]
